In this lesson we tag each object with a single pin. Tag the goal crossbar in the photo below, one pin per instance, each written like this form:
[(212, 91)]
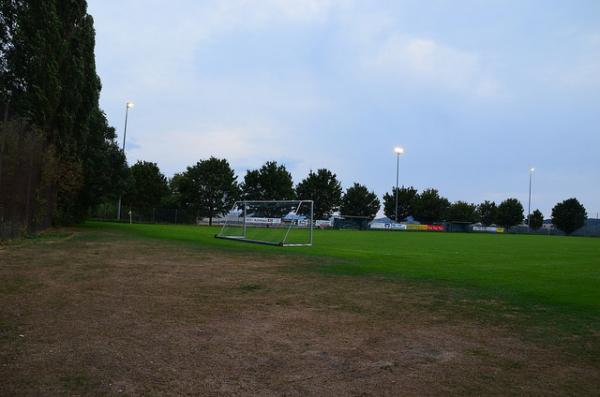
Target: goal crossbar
[(249, 220)]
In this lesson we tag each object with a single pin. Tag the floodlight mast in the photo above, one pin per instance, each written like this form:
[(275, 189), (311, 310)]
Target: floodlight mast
[(531, 170), (128, 105), (399, 150)]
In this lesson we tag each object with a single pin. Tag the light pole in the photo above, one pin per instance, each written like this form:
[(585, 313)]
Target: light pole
[(531, 170), (399, 150), (128, 106)]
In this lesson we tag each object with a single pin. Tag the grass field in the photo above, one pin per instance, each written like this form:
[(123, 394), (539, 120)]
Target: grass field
[(526, 269), (152, 310)]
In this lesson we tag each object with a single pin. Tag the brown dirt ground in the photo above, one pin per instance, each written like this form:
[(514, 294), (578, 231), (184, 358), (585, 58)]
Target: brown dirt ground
[(112, 316)]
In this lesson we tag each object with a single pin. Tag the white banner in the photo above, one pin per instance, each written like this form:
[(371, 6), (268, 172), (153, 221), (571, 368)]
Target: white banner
[(488, 229), (264, 221), (323, 223), (388, 226)]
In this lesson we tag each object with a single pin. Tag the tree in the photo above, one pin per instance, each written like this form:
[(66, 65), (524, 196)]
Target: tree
[(48, 78), (324, 189), (174, 198), (487, 212), (149, 186), (210, 187), (461, 211), (569, 215), (359, 201), (270, 182), (509, 213), (106, 174), (406, 202), (430, 207), (8, 11), (536, 220)]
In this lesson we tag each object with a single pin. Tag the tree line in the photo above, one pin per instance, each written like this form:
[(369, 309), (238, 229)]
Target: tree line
[(58, 155), (210, 187)]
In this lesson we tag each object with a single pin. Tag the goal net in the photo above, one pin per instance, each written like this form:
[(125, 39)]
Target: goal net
[(276, 222)]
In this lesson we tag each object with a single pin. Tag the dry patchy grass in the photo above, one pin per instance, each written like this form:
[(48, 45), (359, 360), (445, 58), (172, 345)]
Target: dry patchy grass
[(100, 314)]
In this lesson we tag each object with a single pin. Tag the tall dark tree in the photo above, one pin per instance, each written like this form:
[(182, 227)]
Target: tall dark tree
[(569, 215), (406, 202), (210, 187), (461, 211), (271, 182), (149, 186), (49, 79), (324, 189), (106, 173), (536, 220), (509, 213), (430, 207), (359, 201), (487, 212), (8, 12)]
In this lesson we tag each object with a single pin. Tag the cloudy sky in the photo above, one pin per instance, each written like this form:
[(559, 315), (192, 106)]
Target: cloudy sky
[(476, 91)]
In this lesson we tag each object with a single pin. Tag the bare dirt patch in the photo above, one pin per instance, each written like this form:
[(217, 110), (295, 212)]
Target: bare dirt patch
[(103, 315)]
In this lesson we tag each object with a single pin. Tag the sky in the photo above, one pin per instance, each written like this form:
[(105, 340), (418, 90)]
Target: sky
[(477, 92)]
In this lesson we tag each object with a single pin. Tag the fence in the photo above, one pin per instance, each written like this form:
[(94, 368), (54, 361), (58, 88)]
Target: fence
[(108, 212), (591, 228), (26, 169)]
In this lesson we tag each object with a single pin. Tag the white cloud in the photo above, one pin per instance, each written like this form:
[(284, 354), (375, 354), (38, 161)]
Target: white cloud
[(244, 146), (161, 44), (238, 115), (425, 61), (593, 39), (239, 144), (294, 10), (582, 71)]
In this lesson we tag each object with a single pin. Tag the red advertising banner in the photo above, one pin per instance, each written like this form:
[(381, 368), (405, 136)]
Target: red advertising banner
[(435, 228)]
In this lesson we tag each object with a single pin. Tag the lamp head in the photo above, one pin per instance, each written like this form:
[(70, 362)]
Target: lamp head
[(399, 150), (129, 105), (531, 169)]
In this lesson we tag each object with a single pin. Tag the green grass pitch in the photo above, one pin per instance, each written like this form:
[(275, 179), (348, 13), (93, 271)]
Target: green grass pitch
[(559, 272)]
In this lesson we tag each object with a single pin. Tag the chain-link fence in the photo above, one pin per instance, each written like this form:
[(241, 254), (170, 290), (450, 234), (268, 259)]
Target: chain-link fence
[(108, 212), (591, 228), (26, 167)]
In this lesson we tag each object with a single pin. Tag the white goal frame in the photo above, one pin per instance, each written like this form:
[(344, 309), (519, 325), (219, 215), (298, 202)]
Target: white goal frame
[(244, 225)]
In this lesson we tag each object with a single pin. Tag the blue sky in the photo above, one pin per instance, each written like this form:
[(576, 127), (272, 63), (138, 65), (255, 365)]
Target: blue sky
[(476, 91)]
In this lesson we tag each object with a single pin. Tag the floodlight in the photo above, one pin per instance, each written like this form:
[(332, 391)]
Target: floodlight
[(399, 150)]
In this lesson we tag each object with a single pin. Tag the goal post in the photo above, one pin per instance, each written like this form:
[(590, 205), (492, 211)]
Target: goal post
[(287, 223)]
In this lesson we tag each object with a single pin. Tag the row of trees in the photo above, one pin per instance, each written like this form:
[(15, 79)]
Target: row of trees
[(210, 187), (429, 207), (49, 90)]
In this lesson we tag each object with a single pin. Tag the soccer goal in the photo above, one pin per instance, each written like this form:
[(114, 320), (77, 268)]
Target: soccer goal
[(285, 223)]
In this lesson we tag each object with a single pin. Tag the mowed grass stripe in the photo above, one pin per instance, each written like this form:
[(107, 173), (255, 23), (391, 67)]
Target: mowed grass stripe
[(526, 269)]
